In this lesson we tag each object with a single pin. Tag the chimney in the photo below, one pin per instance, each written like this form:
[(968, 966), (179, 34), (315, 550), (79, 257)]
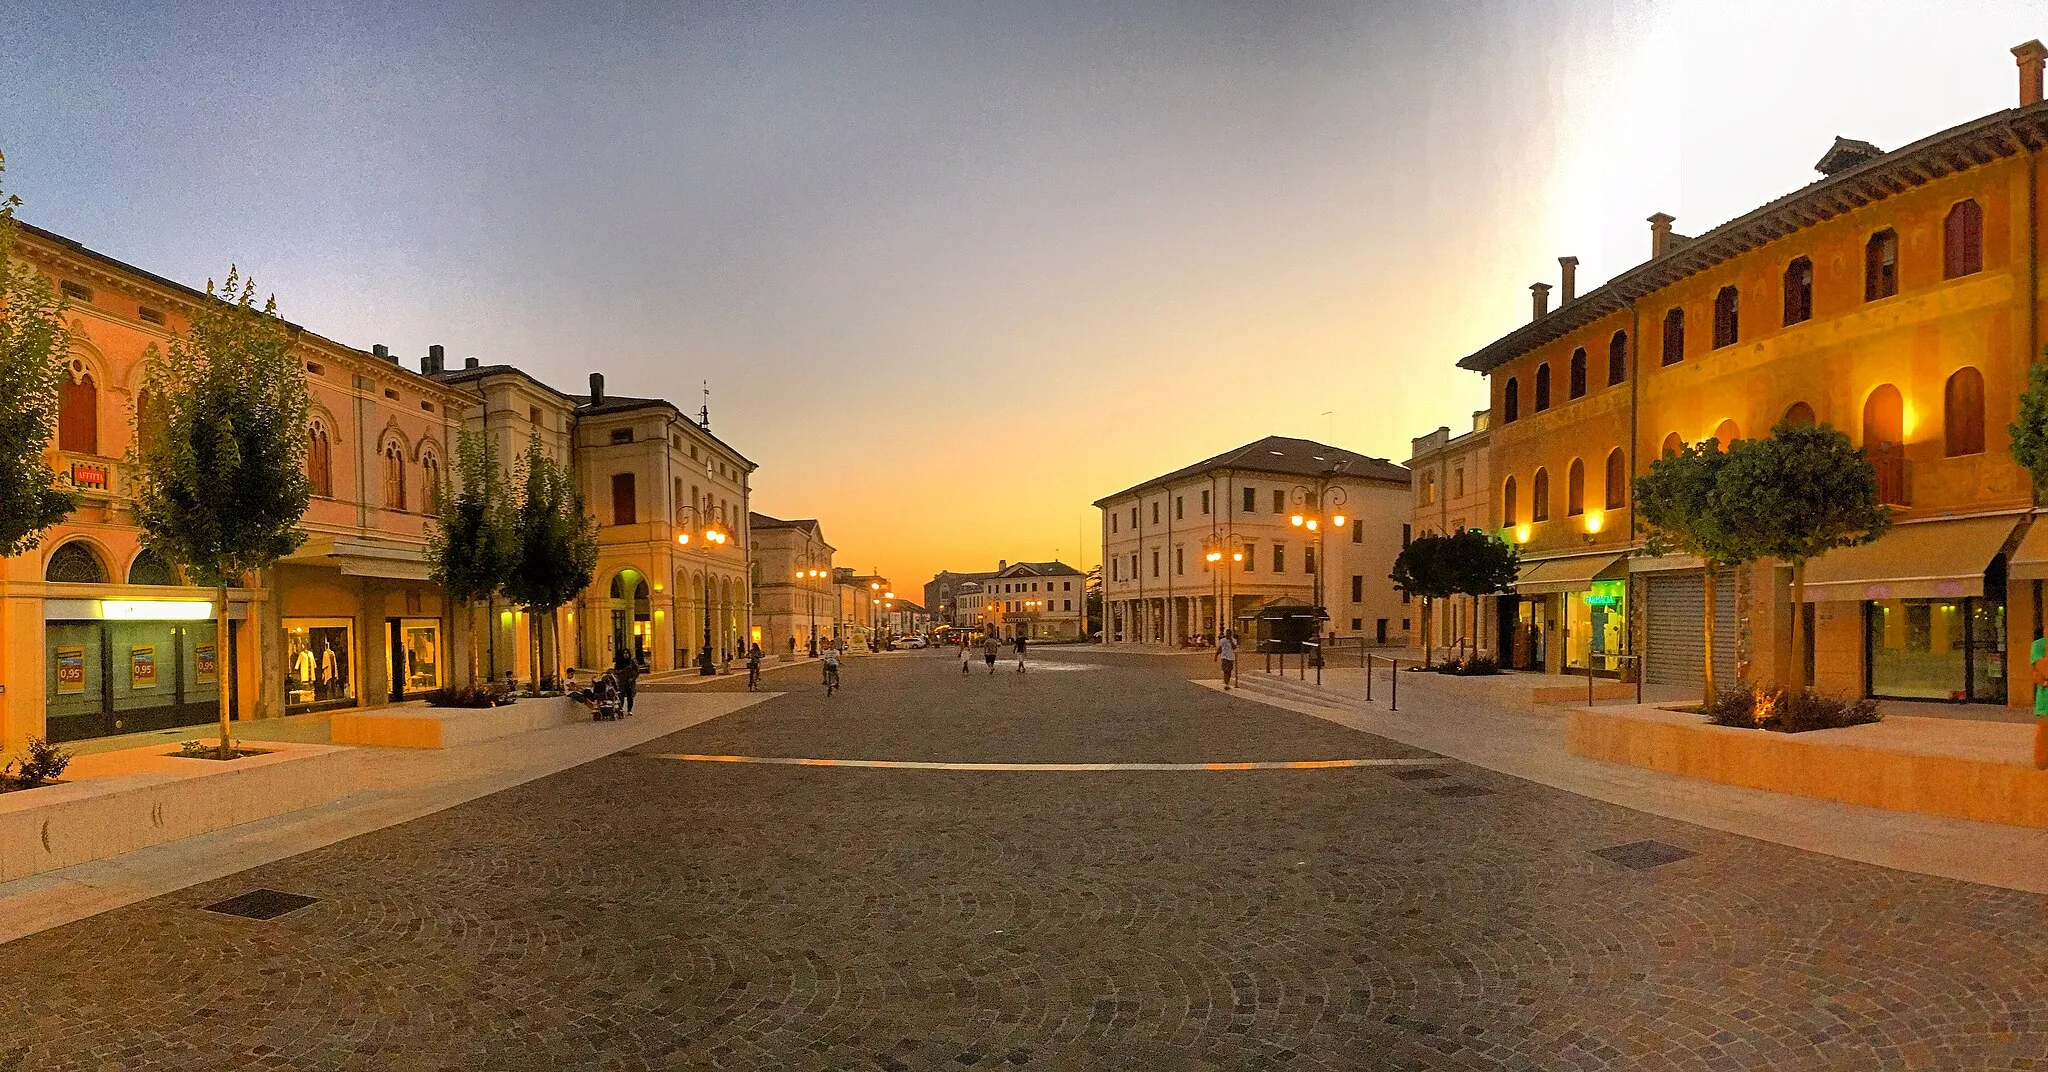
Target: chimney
[(1571, 280), (596, 388), (1539, 300), (469, 362), (1002, 564), (431, 364), (2029, 57), (1660, 234), (381, 351)]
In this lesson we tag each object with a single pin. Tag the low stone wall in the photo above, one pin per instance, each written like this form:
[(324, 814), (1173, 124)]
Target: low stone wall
[(143, 797), (1899, 770), (447, 727)]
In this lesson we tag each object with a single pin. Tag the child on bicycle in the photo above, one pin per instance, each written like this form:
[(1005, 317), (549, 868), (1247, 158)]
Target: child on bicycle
[(831, 660)]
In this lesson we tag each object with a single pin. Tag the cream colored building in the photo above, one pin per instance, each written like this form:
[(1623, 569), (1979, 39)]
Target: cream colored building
[(1036, 600), (1450, 490), (1159, 587), (795, 604)]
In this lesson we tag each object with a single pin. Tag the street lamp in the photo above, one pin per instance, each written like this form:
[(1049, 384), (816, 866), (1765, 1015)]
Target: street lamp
[(714, 535), (1311, 506)]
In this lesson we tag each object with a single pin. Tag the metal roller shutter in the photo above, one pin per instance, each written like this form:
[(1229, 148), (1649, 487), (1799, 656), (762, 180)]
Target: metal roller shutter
[(1675, 649)]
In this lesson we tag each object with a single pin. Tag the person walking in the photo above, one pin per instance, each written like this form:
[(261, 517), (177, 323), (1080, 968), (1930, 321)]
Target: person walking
[(989, 647), (963, 655), (1020, 652), (831, 660), (754, 668), (627, 670), (1226, 653)]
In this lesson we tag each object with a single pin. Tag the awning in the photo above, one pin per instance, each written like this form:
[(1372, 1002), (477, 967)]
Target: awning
[(1942, 559), (363, 558), (2030, 561), (1573, 574)]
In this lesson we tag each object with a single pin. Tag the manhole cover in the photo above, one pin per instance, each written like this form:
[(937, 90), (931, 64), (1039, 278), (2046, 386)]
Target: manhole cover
[(262, 904), (1418, 774), (1458, 791), (1642, 855)]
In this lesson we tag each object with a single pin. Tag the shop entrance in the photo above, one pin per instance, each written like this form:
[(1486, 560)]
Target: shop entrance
[(1528, 649), (632, 610)]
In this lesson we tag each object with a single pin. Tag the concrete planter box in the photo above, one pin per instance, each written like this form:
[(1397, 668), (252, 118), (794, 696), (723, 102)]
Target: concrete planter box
[(447, 727), (1933, 766), (123, 801)]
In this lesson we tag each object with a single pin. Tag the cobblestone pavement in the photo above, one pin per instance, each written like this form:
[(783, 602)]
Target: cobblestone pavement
[(642, 912)]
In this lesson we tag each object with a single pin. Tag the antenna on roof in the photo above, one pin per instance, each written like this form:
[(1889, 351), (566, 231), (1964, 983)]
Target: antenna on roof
[(704, 415)]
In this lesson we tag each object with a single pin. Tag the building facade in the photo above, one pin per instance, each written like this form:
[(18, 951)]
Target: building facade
[(1898, 299), (1251, 508), (795, 604), (1034, 600), (1450, 477)]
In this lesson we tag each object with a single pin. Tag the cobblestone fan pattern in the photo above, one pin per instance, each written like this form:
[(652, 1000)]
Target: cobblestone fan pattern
[(641, 912)]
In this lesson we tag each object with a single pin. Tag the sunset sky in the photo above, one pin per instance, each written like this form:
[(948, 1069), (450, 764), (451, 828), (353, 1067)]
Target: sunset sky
[(954, 270)]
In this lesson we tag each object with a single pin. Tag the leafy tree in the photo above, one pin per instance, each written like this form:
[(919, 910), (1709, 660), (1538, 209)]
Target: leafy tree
[(222, 477), (1794, 497), (33, 346), (472, 545), (1480, 564), (1676, 501), (556, 554), (1425, 569), (2029, 429)]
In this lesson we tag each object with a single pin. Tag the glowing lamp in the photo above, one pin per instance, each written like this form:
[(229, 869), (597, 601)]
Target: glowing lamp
[(1295, 521), (1522, 533), (155, 610), (1593, 522), (1311, 524), (1237, 556), (683, 538)]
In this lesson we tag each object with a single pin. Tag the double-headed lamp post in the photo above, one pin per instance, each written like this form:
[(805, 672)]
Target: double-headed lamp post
[(1220, 580), (809, 579), (714, 535), (1310, 507)]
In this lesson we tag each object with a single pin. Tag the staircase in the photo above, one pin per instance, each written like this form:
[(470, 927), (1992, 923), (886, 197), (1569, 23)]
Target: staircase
[(1290, 687)]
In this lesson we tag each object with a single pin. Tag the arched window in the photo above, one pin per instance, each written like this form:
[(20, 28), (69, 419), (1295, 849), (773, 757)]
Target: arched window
[(1727, 433), (1726, 328), (1542, 387), (1798, 291), (1617, 479), (1510, 401), (1575, 382), (1962, 246), (1884, 436), (1881, 266), (1575, 489), (1507, 503), (150, 568), (1799, 415), (1673, 446), (75, 563), (149, 421), (1674, 336), (1962, 412), (394, 475), (1539, 496), (78, 411), (430, 481), (1617, 358), (319, 459)]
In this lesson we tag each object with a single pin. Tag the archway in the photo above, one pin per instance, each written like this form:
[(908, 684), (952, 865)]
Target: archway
[(632, 612)]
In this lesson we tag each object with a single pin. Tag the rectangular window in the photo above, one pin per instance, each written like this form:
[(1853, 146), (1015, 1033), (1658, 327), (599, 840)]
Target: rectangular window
[(1404, 601), (1279, 558), (1155, 562), (1205, 502), (149, 315), (1407, 534), (622, 435), (1357, 532), (1357, 624), (1066, 586), (1178, 561), (1066, 604), (1458, 482), (1155, 511), (1112, 524), (1176, 508), (623, 512), (1279, 501), (1116, 569), (1357, 589), (1251, 500), (1134, 517), (1308, 560), (1251, 558), (75, 291)]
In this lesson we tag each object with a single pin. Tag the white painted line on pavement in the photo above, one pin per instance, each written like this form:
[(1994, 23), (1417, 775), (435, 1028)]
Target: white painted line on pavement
[(919, 764)]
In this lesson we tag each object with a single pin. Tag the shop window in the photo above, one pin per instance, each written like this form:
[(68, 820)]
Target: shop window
[(1881, 266), (624, 507), (1539, 496), (1798, 291), (78, 412), (1575, 380), (1617, 358), (1674, 336), (1937, 649), (319, 460), (151, 568), (318, 666), (1510, 401), (1575, 489), (1962, 247), (394, 476), (1962, 413), (1542, 387), (1507, 503), (1673, 446), (1799, 415), (1726, 326), (1617, 479), (75, 563)]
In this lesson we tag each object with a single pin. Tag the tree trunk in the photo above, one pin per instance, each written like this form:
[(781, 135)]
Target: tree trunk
[(1707, 639), (1799, 625), (1427, 639), (221, 670)]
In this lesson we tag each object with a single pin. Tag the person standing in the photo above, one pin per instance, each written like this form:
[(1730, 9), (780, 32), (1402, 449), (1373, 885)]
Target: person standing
[(753, 667), (989, 647), (1020, 652), (963, 655), (627, 669), (1226, 653)]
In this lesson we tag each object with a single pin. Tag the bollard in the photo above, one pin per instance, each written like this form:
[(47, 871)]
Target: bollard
[(1589, 679), (1394, 690), (1368, 679)]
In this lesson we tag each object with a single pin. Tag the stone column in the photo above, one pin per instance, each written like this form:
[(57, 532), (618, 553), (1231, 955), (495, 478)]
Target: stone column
[(373, 640), (258, 637)]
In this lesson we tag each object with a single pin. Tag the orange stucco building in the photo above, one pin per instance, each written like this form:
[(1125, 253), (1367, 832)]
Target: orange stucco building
[(1898, 299)]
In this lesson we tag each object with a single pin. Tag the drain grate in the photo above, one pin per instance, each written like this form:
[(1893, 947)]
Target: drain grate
[(1418, 774), (1458, 791), (262, 904), (1643, 855)]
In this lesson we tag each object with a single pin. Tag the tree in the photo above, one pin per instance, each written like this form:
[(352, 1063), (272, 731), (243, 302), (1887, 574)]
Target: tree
[(33, 346), (2029, 429), (556, 553), (1794, 497), (1424, 569), (472, 546), (1480, 564), (1676, 501), (222, 478)]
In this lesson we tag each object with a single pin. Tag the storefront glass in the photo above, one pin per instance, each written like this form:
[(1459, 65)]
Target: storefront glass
[(1528, 646), (417, 656), (1937, 649), (319, 663), (1594, 621), (109, 677)]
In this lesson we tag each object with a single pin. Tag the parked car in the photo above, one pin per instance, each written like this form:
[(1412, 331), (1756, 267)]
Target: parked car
[(911, 642)]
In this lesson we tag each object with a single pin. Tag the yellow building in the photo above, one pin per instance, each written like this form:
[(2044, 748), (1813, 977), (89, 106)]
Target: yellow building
[(1451, 482), (795, 606), (1896, 298)]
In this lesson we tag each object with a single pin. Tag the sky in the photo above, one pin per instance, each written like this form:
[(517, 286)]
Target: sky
[(955, 270)]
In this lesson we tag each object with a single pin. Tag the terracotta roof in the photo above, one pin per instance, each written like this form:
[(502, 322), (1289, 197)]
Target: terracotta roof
[(1281, 454)]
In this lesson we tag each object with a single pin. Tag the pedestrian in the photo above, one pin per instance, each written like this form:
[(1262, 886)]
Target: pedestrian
[(963, 655), (831, 661), (627, 669), (1226, 653), (1020, 651), (989, 647), (753, 667)]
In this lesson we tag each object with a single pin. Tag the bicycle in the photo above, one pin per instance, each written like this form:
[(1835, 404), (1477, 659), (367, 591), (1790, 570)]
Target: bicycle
[(831, 680), (753, 677)]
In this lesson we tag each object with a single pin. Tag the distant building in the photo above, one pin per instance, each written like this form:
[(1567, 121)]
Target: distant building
[(1242, 506), (1036, 600), (1450, 486), (795, 604)]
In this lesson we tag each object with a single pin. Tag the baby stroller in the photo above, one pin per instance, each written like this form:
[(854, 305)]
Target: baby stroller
[(604, 700)]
